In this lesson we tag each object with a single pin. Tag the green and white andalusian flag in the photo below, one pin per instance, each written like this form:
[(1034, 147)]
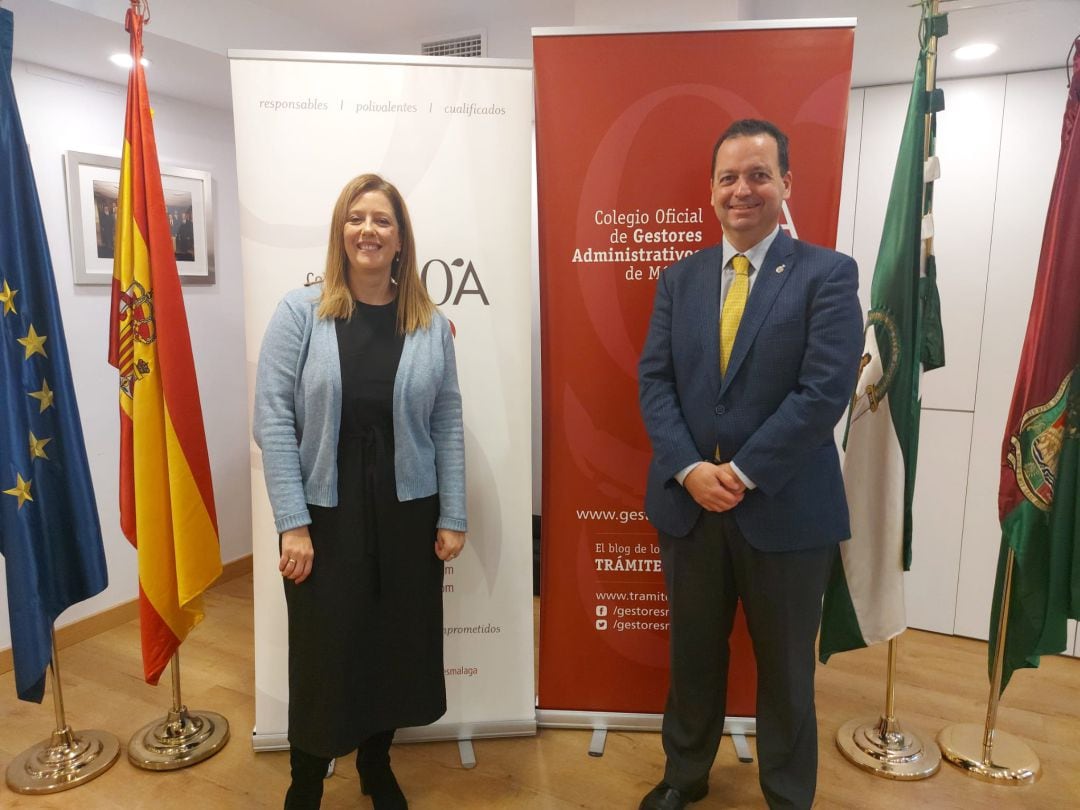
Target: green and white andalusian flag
[(864, 601)]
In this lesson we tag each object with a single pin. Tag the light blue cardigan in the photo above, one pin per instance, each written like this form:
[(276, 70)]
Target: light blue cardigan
[(298, 415)]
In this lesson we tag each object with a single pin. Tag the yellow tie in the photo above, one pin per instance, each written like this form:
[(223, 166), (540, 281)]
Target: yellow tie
[(734, 304)]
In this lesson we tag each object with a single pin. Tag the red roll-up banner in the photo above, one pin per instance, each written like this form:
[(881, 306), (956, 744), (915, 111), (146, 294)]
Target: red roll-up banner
[(626, 124)]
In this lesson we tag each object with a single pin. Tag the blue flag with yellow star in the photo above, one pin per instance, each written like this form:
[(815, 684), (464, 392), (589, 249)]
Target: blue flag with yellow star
[(49, 531)]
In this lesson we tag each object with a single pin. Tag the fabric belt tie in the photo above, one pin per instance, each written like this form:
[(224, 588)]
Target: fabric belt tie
[(369, 448)]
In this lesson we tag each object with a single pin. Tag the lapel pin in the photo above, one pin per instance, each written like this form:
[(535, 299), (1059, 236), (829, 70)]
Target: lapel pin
[(780, 268)]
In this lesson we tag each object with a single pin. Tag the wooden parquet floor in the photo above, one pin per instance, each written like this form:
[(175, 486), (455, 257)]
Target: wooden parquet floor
[(941, 679)]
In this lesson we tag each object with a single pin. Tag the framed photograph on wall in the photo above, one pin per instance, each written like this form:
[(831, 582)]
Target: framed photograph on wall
[(93, 185)]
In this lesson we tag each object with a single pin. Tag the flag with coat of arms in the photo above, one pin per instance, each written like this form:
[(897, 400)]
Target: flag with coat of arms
[(166, 496)]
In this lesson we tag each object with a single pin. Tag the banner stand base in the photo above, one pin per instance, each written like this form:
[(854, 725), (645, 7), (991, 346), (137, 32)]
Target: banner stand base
[(742, 748), (467, 754), (463, 733), (465, 750), (626, 721), (602, 722), (599, 740)]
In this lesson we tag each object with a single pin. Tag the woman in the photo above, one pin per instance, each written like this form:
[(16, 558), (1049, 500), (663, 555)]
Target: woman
[(358, 415)]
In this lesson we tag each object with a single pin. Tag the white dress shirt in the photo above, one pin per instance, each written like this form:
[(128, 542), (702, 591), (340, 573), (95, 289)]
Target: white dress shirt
[(756, 256)]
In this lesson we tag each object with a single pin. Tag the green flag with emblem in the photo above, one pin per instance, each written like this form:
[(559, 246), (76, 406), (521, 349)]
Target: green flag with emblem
[(1039, 488), (864, 601)]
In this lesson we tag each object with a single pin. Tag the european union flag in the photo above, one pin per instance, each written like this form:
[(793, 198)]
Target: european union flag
[(49, 531)]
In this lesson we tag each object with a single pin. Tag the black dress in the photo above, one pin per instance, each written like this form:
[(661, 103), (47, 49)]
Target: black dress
[(365, 628)]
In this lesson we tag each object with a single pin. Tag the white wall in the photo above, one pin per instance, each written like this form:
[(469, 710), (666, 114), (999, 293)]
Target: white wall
[(998, 140), (647, 12), (62, 112), (507, 30)]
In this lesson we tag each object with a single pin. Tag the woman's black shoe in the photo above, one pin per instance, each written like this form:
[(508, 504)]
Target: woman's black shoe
[(378, 782), (303, 797), (308, 772), (376, 778)]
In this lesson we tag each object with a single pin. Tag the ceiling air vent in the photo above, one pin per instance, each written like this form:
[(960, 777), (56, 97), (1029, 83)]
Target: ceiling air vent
[(465, 45)]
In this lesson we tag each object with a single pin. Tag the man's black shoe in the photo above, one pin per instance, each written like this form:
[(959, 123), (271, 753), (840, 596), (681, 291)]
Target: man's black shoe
[(665, 797)]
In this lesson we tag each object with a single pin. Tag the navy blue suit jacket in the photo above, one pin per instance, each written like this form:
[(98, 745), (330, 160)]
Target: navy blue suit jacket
[(792, 372)]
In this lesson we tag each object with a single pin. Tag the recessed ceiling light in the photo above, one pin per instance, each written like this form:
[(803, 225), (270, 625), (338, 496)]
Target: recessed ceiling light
[(978, 50), (124, 60)]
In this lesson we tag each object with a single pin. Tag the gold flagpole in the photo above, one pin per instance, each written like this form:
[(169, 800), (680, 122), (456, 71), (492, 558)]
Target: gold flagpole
[(68, 758), (882, 746), (983, 751), (183, 738)]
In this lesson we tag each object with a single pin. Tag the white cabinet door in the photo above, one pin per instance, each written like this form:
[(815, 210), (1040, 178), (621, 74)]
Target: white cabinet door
[(937, 520)]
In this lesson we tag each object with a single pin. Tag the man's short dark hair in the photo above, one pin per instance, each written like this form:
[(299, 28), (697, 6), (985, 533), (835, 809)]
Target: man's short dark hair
[(754, 126)]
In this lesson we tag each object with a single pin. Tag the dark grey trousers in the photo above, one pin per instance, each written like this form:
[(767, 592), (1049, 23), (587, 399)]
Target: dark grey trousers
[(706, 573)]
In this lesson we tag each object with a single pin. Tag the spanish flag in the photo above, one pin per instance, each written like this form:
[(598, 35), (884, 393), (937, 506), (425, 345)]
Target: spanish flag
[(166, 496)]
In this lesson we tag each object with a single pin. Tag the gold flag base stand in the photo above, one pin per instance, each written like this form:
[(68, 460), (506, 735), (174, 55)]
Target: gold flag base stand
[(183, 738), (882, 747), (982, 751), (1012, 762), (68, 758), (64, 761)]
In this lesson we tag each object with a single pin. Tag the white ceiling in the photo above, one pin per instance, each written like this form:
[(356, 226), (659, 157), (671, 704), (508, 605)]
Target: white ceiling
[(187, 40)]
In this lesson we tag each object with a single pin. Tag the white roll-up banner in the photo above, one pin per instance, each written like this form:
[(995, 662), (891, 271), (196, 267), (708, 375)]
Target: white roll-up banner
[(455, 137)]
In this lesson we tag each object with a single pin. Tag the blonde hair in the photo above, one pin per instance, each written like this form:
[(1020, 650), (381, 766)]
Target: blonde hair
[(415, 307)]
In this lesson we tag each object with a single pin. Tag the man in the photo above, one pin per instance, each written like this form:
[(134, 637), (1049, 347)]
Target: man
[(751, 356), (107, 220), (185, 239)]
